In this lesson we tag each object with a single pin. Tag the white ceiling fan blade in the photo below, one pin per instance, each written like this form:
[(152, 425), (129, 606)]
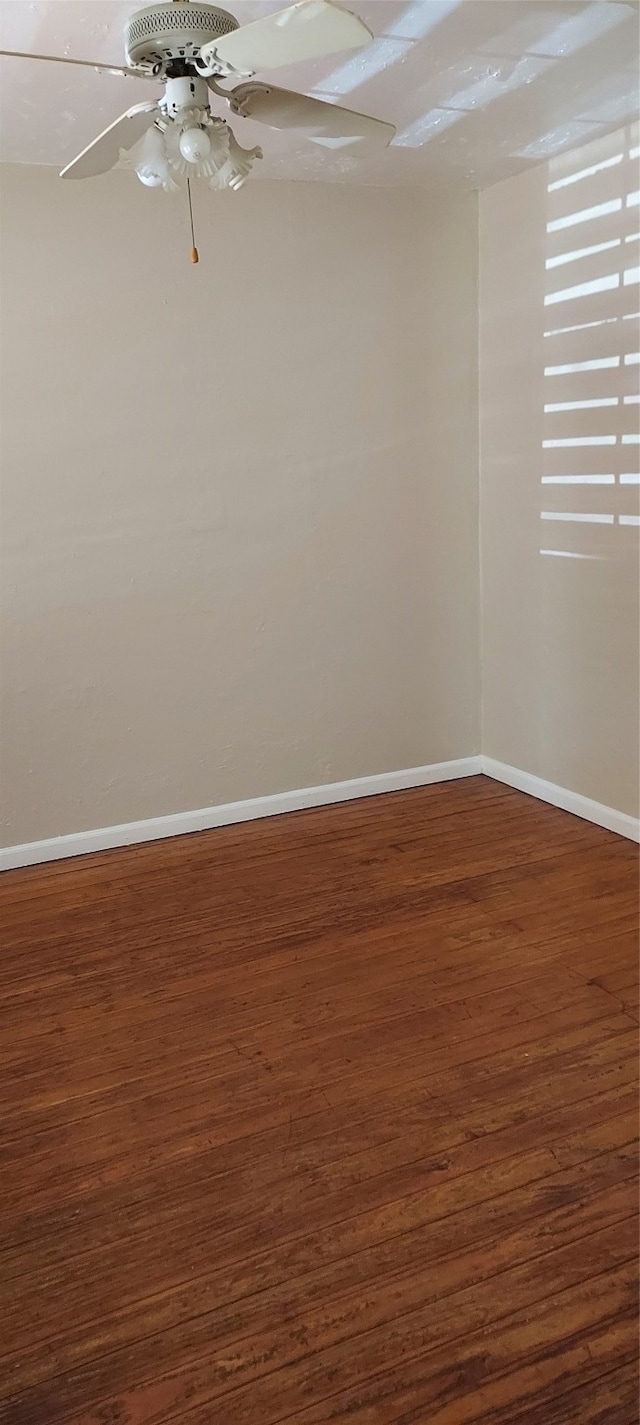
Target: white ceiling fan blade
[(308, 30), (84, 63), (104, 152), (284, 109)]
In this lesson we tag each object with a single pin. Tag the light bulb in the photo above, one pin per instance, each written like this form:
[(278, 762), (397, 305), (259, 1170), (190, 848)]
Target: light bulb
[(195, 145), (150, 180)]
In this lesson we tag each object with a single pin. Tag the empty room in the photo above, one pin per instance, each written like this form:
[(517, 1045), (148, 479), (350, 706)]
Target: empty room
[(320, 712)]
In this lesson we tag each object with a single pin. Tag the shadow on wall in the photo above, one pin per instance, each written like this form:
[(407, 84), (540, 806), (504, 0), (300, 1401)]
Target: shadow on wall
[(560, 481), (591, 359), (589, 513)]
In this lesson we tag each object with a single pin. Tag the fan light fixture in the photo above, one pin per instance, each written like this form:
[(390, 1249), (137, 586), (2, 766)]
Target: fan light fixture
[(160, 161), (190, 48)]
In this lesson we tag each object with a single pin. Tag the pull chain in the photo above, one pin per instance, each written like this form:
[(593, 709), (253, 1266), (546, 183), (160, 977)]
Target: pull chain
[(195, 257)]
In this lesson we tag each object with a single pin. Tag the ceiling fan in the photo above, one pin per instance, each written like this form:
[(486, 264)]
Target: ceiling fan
[(189, 47)]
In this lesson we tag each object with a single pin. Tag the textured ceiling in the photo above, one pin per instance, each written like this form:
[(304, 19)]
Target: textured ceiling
[(477, 89)]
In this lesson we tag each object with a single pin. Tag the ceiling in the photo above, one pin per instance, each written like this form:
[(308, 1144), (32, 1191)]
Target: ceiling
[(478, 89)]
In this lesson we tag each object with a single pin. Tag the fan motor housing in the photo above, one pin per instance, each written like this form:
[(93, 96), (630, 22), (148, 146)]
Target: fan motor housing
[(164, 33)]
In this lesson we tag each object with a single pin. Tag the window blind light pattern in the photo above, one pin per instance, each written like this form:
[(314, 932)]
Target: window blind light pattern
[(591, 346)]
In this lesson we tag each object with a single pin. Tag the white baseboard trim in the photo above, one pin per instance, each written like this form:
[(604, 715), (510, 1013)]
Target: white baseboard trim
[(589, 810), (157, 828)]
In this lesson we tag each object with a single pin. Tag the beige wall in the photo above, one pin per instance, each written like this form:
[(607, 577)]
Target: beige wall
[(239, 502), (560, 628)]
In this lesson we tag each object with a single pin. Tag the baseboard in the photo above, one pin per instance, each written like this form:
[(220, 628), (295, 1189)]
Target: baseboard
[(157, 828), (589, 810)]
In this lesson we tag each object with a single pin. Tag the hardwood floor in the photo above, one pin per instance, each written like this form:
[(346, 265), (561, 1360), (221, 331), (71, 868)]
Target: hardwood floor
[(330, 1117)]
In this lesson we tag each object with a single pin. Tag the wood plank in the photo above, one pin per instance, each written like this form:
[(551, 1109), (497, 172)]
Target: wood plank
[(469, 1335), (451, 1032), (457, 1250), (595, 1399), (329, 1117), (108, 1144)]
